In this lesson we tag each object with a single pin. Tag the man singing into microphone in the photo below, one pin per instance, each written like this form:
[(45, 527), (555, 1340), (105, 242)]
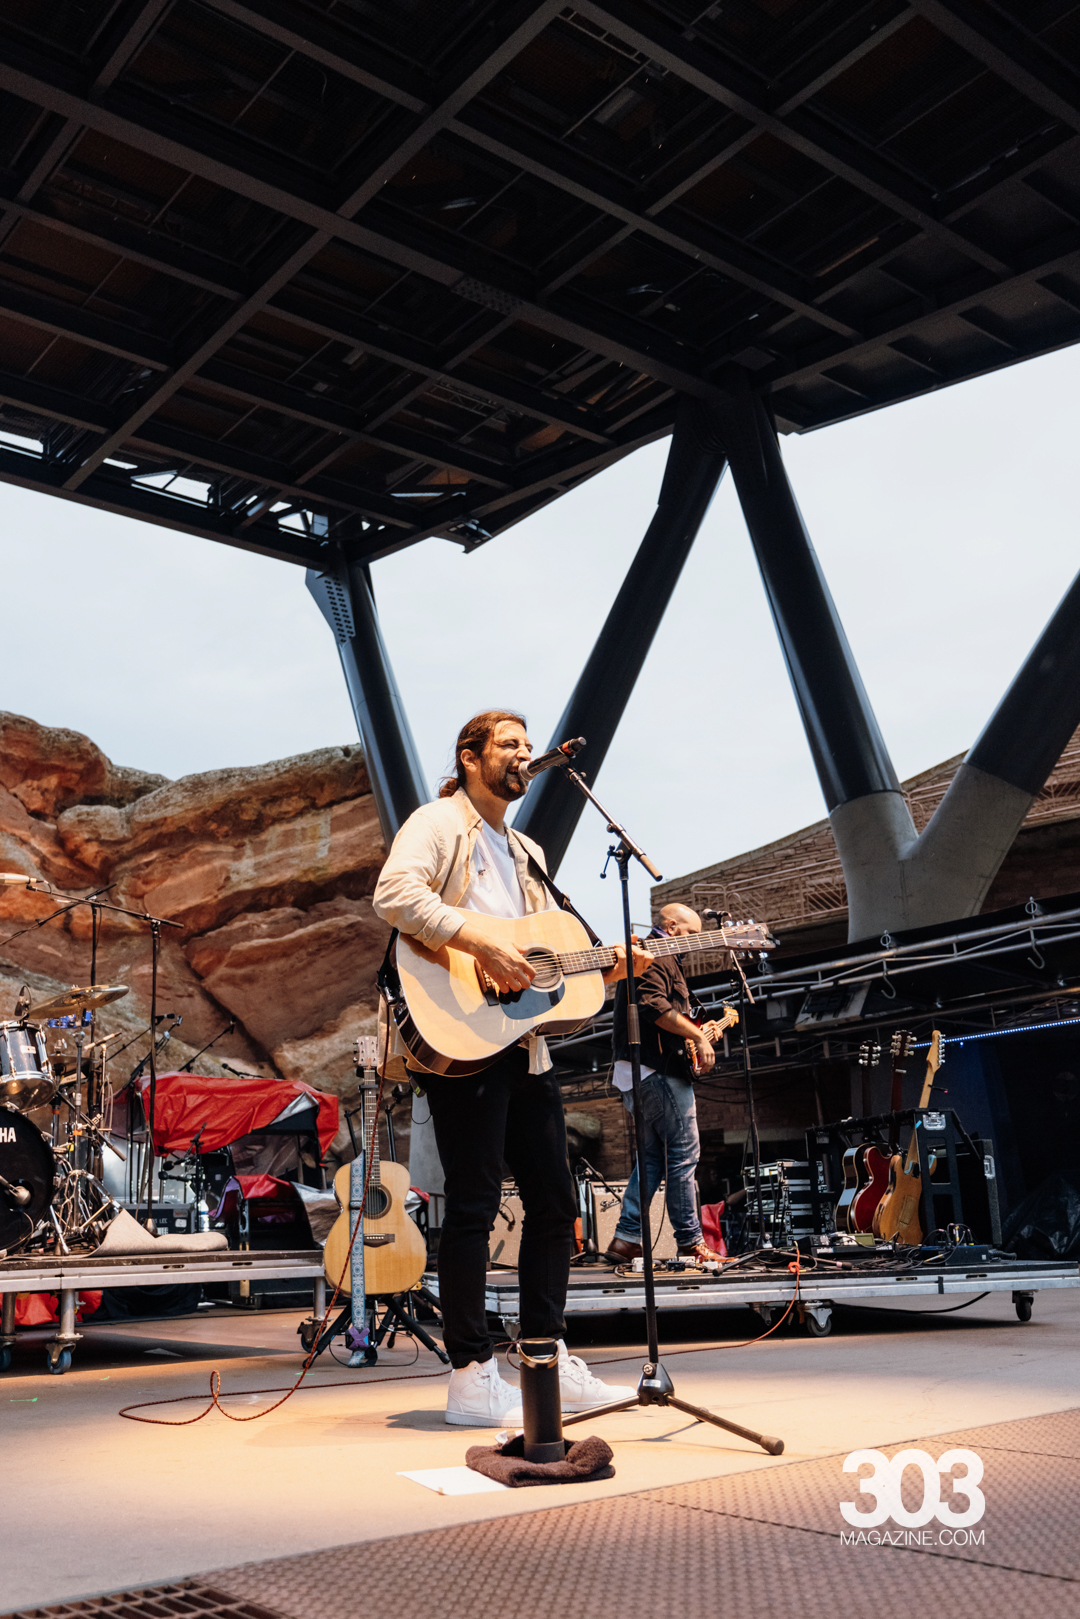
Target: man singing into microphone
[(458, 852)]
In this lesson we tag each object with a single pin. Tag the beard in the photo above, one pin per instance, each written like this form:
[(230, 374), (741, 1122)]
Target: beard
[(502, 780)]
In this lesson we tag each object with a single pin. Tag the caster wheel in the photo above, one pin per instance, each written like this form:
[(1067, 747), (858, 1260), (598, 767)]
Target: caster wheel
[(5, 1358), (59, 1364), (819, 1329), (766, 1315), (308, 1334), (1023, 1309)]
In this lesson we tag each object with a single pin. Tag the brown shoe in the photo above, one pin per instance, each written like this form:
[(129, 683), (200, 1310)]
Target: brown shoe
[(702, 1254), (620, 1252)]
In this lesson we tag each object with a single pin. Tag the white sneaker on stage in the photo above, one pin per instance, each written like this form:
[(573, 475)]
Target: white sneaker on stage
[(579, 1390), (479, 1398)]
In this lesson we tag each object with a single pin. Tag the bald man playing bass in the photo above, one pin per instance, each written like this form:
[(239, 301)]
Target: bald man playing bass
[(671, 1147)]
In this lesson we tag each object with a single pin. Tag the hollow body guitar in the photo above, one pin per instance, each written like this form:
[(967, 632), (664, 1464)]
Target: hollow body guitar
[(454, 1021), (395, 1252)]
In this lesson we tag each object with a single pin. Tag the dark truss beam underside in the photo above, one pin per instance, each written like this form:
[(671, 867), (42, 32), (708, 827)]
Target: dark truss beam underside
[(856, 359)]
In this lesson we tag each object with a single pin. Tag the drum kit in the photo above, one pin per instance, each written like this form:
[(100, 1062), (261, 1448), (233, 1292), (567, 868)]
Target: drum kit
[(51, 1195)]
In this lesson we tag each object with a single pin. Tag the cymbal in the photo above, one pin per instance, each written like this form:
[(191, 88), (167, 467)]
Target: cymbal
[(77, 1000)]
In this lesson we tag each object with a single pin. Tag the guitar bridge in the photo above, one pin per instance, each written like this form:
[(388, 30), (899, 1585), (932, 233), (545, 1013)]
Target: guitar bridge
[(378, 1239), (487, 986)]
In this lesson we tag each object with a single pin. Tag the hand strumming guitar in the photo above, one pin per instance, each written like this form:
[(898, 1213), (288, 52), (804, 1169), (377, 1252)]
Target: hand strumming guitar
[(504, 964)]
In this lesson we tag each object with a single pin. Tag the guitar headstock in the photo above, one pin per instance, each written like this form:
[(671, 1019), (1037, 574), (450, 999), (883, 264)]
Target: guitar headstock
[(366, 1051), (747, 936), (901, 1045), (729, 1019), (934, 1059), (869, 1054)]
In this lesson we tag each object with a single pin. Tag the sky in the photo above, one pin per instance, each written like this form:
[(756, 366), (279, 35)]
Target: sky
[(947, 528)]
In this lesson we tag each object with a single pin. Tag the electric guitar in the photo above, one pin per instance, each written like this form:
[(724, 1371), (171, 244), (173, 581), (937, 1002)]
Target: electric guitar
[(395, 1253), (897, 1215), (453, 1020), (712, 1032), (873, 1168)]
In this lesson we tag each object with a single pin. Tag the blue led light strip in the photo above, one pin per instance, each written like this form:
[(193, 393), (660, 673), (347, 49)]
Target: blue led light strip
[(996, 1034)]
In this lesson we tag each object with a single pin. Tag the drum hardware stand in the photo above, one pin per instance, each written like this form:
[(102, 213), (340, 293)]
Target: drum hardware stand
[(655, 1386), (398, 1313)]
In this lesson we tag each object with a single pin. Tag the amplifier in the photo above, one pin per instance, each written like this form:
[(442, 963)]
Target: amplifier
[(168, 1218), (609, 1206)]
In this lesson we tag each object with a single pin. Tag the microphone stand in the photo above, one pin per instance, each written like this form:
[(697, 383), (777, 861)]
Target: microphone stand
[(655, 1386)]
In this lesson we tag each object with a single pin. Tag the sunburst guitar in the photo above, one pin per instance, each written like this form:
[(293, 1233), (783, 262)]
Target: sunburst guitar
[(454, 1021)]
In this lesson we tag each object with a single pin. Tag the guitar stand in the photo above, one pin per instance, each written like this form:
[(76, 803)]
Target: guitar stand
[(398, 1316), (655, 1386)]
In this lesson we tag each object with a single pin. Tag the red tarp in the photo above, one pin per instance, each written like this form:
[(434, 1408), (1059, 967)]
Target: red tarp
[(229, 1109)]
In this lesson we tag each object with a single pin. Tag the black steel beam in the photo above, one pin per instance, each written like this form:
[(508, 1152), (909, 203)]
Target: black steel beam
[(345, 598), (806, 132), (344, 326), (694, 468), (848, 749), (41, 399), (163, 438), (1010, 51), (114, 494), (97, 331), (550, 161), (1025, 736), (141, 246)]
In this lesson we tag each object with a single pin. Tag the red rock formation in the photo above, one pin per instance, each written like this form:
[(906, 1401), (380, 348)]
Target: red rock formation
[(268, 871)]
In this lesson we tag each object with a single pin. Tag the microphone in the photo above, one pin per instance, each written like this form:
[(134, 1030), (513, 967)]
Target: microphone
[(18, 1194), (561, 755), (18, 879)]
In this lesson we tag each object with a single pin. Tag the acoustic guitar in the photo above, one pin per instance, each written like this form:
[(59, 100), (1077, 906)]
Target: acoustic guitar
[(395, 1253), (454, 1021), (897, 1216), (876, 1161), (712, 1032), (853, 1179)]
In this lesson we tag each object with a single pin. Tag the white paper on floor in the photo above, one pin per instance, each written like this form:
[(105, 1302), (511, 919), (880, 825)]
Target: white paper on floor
[(454, 1481)]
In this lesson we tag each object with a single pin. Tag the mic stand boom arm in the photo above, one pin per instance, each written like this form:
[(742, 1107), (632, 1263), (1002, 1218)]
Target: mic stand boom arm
[(655, 1386)]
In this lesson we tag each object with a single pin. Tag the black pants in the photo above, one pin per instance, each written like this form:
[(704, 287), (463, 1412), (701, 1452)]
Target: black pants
[(504, 1113)]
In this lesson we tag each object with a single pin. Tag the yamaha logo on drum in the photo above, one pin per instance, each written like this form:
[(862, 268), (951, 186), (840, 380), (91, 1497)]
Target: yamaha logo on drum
[(7, 1132)]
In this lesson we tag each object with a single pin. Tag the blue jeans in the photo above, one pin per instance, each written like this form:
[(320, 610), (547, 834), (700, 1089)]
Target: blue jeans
[(672, 1143)]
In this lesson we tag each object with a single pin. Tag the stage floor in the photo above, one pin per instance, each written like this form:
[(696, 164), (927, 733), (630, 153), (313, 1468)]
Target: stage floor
[(767, 1543), (97, 1504)]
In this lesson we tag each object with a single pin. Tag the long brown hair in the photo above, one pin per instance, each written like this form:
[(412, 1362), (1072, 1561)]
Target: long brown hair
[(475, 736)]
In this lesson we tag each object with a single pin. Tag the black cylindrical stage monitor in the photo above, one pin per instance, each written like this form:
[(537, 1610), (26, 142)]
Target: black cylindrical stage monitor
[(540, 1403)]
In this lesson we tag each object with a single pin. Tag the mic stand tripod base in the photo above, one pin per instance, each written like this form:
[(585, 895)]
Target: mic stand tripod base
[(656, 1388)]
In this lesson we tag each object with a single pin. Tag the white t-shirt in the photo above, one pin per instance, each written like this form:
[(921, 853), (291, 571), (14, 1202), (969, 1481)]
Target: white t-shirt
[(494, 888)]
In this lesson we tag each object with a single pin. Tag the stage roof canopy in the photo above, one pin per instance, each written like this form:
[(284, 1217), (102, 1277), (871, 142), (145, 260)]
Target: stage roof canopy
[(273, 269)]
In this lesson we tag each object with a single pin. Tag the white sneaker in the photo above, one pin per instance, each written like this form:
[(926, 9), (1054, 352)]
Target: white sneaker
[(579, 1390), (478, 1397)]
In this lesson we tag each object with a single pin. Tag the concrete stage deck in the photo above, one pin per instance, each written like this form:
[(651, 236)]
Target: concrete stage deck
[(97, 1504)]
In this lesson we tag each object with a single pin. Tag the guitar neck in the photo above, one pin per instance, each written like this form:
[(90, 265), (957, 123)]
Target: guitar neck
[(604, 956)]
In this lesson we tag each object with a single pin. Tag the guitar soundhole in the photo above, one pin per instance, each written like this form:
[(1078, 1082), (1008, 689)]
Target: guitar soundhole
[(377, 1203), (545, 965)]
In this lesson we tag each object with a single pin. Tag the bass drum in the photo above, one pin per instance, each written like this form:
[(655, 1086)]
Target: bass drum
[(26, 1162)]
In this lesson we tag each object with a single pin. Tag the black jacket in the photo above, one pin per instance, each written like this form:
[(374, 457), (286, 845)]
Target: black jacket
[(662, 989)]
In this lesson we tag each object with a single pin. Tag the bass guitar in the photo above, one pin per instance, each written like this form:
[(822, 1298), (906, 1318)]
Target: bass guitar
[(897, 1216), (873, 1168), (712, 1032), (453, 1020), (395, 1253)]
